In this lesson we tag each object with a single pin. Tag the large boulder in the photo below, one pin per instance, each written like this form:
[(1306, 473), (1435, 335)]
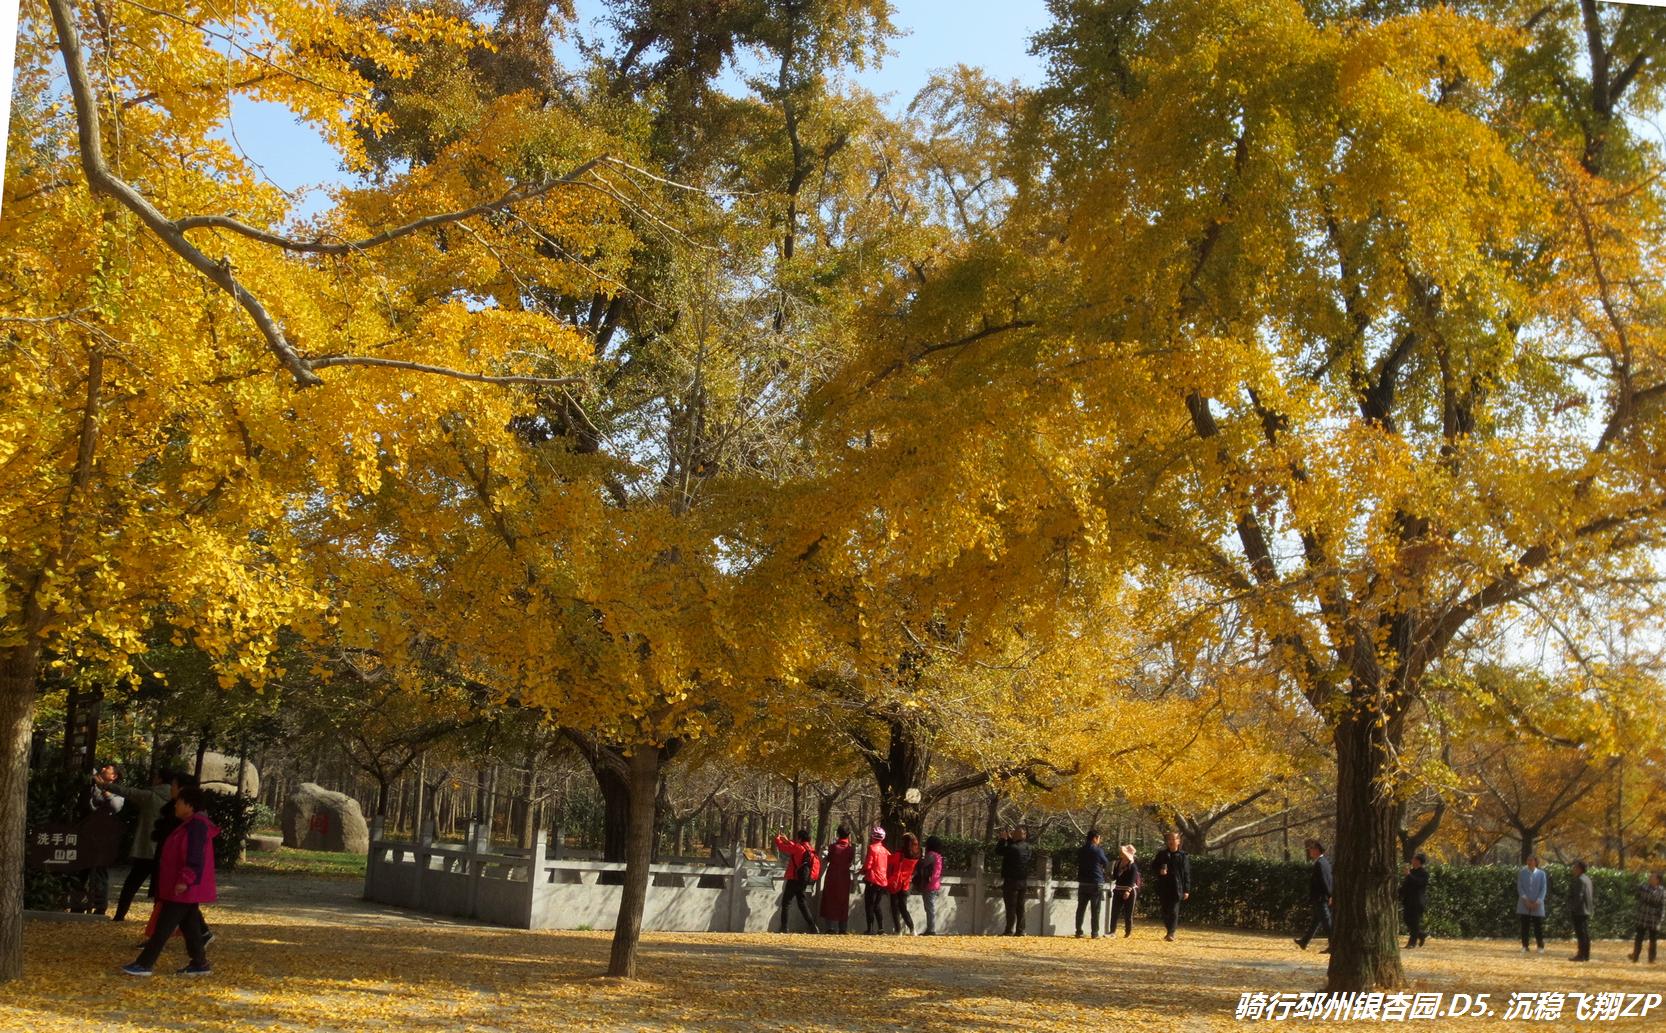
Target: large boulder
[(219, 775), (315, 818)]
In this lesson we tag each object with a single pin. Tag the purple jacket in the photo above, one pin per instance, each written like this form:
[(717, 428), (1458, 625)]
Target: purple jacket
[(188, 857)]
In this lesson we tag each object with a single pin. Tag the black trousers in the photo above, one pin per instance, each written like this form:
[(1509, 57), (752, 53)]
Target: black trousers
[(899, 912), (1414, 923), (1582, 936), (1088, 895), (1321, 920), (1654, 939), (90, 890), (1122, 906), (795, 891), (871, 898), (142, 870), (1171, 914), (1012, 895), (187, 918), (1535, 924)]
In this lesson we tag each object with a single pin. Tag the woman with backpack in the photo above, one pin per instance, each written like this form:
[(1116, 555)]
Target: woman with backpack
[(802, 868), (928, 879), (1125, 889), (903, 862)]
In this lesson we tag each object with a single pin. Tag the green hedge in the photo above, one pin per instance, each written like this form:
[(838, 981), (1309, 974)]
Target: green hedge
[(1271, 896)]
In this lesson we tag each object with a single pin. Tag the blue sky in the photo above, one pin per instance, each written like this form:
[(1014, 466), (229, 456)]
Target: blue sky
[(991, 34)]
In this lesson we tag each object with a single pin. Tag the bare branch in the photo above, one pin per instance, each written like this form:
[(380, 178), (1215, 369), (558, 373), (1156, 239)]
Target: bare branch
[(326, 361)]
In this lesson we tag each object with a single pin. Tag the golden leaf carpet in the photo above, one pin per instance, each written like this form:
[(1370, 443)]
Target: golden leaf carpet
[(297, 954)]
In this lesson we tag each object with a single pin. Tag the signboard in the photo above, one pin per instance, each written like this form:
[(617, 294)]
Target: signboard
[(81, 730), (71, 846)]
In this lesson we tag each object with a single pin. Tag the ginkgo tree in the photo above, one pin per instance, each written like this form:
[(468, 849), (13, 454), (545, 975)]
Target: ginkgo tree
[(159, 320), (1292, 351)]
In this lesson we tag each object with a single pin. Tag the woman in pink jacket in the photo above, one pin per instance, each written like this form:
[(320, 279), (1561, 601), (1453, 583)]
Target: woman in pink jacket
[(185, 882)]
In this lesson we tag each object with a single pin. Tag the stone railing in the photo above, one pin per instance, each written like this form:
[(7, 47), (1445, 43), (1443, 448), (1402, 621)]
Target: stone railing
[(528, 889)]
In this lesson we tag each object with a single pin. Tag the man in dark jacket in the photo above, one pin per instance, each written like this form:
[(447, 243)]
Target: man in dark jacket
[(1091, 863), (1015, 851), (1414, 899), (1320, 893), (1173, 871), (1582, 899)]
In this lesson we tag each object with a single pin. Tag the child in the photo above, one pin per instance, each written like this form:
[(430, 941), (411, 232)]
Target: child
[(185, 882)]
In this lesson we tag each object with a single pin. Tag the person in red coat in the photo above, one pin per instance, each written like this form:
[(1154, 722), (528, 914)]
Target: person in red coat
[(185, 882), (802, 868), (835, 887), (903, 862), (876, 872)]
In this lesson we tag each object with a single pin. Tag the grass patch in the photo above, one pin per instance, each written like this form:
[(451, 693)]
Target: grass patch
[(285, 861)]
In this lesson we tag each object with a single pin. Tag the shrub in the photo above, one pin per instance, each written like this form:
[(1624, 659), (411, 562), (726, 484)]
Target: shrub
[(1257, 894)]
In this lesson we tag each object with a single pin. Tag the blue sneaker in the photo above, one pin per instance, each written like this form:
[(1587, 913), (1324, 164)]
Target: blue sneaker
[(136, 969), (204, 969)]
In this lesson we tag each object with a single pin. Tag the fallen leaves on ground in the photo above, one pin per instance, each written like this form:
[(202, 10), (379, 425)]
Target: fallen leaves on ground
[(302, 954)]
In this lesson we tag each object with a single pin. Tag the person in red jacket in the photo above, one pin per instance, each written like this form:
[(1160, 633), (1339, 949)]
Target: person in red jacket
[(185, 882), (876, 871), (903, 862), (835, 888), (803, 866)]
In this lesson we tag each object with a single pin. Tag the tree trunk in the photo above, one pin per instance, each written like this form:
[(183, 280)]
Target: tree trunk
[(639, 854), (905, 766), (18, 667), (1529, 843), (1365, 951), (824, 817), (616, 811)]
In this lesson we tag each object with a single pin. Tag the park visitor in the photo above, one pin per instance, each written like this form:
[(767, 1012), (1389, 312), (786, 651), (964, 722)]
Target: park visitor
[(904, 860), (876, 872), (1091, 863), (92, 885), (1582, 899), (1320, 890), (835, 889), (1173, 870), (1414, 899), (802, 868), (186, 871), (1651, 904), (166, 822), (928, 880), (148, 804), (1532, 887), (1125, 888), (1015, 851)]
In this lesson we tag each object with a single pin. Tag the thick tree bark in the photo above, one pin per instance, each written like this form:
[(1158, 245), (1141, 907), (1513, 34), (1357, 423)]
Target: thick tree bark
[(18, 667), (1365, 952), (645, 764)]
